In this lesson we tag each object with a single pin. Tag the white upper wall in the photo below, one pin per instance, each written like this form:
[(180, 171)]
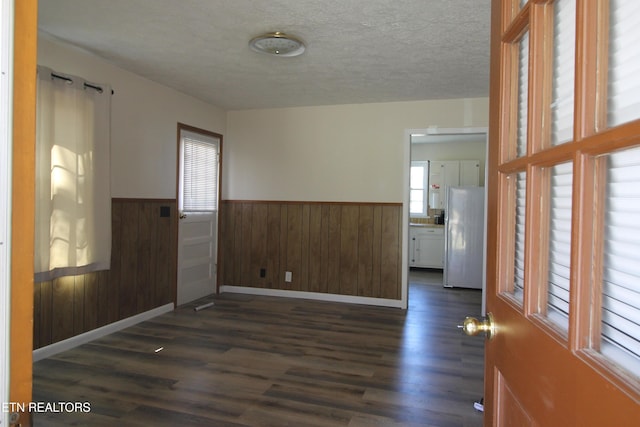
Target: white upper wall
[(324, 153), (144, 121), (332, 153)]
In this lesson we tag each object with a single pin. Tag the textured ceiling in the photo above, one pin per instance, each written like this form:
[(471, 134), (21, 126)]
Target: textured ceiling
[(358, 51)]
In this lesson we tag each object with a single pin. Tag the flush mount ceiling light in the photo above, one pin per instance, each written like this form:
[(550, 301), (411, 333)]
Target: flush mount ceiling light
[(278, 44)]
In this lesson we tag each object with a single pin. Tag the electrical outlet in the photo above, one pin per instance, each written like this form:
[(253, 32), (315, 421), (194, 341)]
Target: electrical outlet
[(287, 276)]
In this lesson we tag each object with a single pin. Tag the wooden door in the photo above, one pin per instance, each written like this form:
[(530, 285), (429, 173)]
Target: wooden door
[(23, 76), (563, 237)]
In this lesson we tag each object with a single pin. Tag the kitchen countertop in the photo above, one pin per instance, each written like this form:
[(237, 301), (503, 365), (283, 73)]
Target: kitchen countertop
[(417, 224)]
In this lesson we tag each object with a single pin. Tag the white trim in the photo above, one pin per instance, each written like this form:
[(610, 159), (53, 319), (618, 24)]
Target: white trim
[(435, 130), (351, 299), (6, 138), (68, 344), (406, 182)]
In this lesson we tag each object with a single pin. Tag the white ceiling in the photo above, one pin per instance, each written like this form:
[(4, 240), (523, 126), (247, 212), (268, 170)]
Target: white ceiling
[(358, 51)]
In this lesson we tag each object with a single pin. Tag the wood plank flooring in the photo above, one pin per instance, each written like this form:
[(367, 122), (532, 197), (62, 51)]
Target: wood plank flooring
[(263, 361)]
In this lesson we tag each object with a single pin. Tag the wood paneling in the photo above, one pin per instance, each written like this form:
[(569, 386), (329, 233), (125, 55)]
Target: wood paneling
[(337, 248), (142, 276)]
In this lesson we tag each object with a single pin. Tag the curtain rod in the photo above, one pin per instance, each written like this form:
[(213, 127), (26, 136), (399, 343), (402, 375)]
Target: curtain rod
[(98, 88)]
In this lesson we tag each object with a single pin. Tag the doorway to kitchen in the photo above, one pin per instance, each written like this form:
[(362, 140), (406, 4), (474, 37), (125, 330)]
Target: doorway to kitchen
[(432, 156)]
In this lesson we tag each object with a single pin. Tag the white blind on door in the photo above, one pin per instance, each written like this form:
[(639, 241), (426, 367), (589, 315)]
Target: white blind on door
[(564, 29), (521, 204), (523, 94), (557, 309), (621, 261), (624, 62), (199, 178)]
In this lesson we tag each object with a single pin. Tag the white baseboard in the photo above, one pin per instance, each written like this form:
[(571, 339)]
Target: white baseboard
[(382, 302), (68, 344)]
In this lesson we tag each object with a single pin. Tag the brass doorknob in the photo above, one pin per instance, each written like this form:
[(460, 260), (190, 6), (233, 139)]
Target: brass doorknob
[(183, 215), (473, 326)]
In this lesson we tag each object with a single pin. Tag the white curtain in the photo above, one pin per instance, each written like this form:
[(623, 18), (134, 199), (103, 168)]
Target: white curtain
[(73, 196)]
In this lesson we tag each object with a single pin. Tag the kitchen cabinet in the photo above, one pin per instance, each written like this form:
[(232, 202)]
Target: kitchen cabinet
[(426, 246), (450, 173), (469, 173)]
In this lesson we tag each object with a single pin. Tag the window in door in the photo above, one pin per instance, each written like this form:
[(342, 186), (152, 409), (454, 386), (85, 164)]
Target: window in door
[(570, 177), (199, 175)]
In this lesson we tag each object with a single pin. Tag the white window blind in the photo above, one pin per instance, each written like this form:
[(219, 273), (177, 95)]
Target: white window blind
[(199, 178), (557, 307), (564, 29), (518, 273), (624, 62), (523, 95), (621, 261)]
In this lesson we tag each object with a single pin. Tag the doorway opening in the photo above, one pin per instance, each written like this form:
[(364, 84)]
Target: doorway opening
[(428, 147)]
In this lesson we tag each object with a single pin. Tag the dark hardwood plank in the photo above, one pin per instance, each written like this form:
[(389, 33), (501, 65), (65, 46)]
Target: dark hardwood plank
[(365, 251), (238, 244), (315, 263), (377, 252), (62, 315), (90, 302), (226, 249), (78, 304), (101, 308), (156, 239), (114, 277), (46, 315), (274, 225), (293, 254), (259, 230), (282, 251), (143, 256), (390, 256), (333, 263), (349, 249), (266, 361), (127, 283), (305, 258), (37, 314), (245, 233), (324, 249)]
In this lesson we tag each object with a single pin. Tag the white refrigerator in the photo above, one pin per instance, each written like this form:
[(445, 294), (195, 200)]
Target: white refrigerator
[(464, 237)]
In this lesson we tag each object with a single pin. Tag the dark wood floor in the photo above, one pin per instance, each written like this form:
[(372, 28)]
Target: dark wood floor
[(262, 361)]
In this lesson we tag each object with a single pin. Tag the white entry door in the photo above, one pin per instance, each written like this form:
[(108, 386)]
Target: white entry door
[(198, 199)]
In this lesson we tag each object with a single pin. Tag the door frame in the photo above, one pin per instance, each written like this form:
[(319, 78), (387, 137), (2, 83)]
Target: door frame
[(176, 218), (6, 78), (435, 135), (23, 75)]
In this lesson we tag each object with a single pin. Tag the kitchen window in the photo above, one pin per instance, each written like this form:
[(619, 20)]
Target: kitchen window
[(418, 189)]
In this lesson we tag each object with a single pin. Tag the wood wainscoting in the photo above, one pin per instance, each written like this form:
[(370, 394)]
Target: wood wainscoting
[(142, 275), (329, 247)]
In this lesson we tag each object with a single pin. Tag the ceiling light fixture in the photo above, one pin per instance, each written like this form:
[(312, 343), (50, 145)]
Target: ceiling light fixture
[(278, 44)]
